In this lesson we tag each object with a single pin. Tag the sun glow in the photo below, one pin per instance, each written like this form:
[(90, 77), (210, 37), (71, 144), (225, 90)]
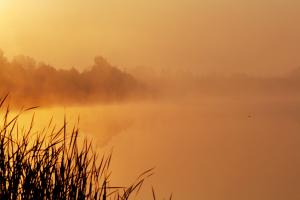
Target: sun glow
[(3, 10), (3, 3)]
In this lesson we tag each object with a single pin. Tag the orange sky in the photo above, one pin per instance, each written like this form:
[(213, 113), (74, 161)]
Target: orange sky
[(240, 145), (258, 36)]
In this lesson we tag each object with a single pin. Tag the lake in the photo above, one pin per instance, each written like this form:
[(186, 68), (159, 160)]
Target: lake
[(201, 148)]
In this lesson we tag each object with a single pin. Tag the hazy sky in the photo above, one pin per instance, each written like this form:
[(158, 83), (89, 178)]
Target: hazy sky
[(257, 36)]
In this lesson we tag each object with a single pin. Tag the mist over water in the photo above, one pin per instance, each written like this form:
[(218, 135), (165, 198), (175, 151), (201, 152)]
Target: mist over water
[(217, 114), (209, 137), (202, 148), (33, 83), (214, 150)]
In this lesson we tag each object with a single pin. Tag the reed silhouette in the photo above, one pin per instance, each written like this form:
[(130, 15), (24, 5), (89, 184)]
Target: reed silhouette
[(53, 164)]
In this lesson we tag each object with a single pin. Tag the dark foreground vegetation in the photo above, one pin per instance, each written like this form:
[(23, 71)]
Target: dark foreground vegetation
[(52, 164)]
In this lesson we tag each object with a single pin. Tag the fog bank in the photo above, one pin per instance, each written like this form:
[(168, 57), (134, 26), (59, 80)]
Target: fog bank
[(32, 83)]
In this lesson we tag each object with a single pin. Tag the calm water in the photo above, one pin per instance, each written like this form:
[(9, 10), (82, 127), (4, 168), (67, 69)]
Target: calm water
[(212, 149)]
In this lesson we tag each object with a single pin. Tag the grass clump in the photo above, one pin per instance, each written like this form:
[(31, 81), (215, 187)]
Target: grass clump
[(52, 165)]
